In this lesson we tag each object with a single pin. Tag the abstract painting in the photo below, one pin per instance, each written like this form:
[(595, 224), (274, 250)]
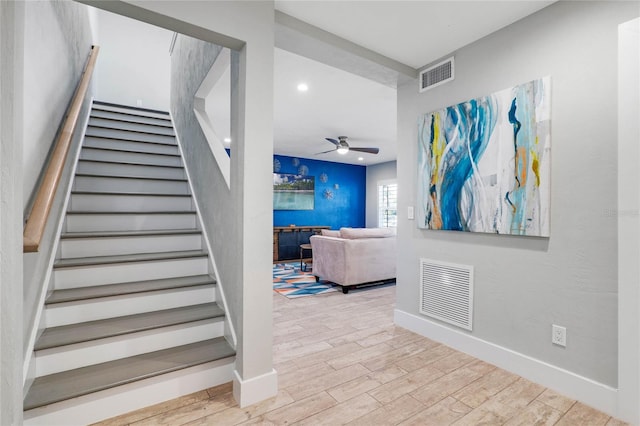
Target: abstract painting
[(484, 164)]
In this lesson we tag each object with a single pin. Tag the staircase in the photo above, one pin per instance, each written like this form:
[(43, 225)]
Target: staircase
[(133, 318)]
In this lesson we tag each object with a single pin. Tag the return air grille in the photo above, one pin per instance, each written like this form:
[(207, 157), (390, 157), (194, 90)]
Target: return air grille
[(437, 75), (446, 292)]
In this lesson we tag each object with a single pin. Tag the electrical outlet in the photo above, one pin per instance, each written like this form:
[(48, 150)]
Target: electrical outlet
[(558, 335)]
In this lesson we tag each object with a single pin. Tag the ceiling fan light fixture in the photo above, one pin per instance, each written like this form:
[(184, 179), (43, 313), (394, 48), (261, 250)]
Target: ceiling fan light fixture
[(342, 150)]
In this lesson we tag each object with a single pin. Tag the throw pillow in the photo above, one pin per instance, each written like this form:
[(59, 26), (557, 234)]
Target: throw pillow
[(355, 233), (330, 233)]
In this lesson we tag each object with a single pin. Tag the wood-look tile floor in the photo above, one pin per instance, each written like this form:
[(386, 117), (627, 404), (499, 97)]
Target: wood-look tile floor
[(341, 360)]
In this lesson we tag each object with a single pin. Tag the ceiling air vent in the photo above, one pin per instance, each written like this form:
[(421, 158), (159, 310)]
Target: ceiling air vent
[(446, 292), (436, 75)]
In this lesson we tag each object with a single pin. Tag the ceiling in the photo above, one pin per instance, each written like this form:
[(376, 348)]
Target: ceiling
[(414, 33), (338, 103)]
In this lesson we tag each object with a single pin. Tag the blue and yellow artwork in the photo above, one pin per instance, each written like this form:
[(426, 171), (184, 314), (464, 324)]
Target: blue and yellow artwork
[(484, 164)]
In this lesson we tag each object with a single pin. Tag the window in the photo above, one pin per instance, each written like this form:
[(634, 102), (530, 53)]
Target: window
[(387, 204)]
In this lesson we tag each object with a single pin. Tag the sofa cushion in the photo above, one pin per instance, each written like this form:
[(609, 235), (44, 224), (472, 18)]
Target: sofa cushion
[(356, 233), (330, 233)]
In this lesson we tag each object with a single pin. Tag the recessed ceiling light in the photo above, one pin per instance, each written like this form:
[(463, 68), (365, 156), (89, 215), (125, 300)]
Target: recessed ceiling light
[(302, 87), (227, 140), (360, 159)]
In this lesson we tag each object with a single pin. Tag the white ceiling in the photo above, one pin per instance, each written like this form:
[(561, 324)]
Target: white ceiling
[(414, 33), (337, 104)]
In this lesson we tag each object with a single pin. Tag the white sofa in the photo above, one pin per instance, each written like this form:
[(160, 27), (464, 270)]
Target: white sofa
[(354, 256)]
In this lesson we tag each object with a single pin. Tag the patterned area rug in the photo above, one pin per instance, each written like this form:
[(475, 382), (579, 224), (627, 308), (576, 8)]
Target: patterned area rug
[(290, 281)]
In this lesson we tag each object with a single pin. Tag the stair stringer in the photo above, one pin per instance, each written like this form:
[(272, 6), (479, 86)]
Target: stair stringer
[(28, 367), (230, 333)]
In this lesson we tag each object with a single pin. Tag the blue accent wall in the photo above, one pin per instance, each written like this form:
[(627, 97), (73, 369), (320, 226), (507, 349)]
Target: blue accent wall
[(341, 206)]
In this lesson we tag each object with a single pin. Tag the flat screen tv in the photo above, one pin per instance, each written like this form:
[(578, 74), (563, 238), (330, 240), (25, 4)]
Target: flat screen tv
[(293, 192)]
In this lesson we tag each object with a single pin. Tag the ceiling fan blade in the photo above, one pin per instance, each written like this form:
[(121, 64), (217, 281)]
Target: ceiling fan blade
[(367, 150), (333, 141), (324, 152)]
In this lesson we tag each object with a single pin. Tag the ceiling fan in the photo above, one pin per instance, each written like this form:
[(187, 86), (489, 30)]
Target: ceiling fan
[(343, 147)]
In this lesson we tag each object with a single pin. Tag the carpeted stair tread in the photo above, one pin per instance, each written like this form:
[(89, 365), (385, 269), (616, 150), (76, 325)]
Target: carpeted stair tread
[(127, 258), (100, 329), (109, 290), (82, 381)]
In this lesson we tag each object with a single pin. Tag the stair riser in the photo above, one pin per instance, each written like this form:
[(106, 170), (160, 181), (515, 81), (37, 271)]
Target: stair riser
[(107, 184), (123, 399), (134, 127), (126, 272), (128, 203), (134, 112), (115, 169), (128, 117), (123, 134), (65, 358), (152, 148), (128, 222), (110, 307), (129, 157), (105, 246)]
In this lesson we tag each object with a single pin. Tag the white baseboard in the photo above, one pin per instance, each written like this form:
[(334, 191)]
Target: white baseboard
[(590, 392), (256, 389), (123, 399)]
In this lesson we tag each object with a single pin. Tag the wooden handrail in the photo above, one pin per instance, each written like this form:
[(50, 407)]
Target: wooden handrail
[(37, 220)]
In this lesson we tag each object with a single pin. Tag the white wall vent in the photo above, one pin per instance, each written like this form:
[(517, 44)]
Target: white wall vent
[(446, 292), (436, 75)]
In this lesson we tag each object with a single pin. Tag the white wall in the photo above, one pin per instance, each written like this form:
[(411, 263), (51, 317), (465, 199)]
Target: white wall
[(11, 63), (135, 66), (57, 43), (523, 285), (375, 174), (629, 220)]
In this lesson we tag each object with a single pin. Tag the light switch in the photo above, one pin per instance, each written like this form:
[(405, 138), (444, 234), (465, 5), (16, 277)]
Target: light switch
[(410, 213)]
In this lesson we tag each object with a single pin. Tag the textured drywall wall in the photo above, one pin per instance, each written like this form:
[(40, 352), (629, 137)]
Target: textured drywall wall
[(57, 43), (57, 39), (377, 173), (523, 285), (190, 63), (135, 64), (340, 201), (11, 63)]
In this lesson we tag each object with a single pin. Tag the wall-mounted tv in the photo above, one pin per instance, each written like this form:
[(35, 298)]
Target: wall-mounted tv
[(293, 192)]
